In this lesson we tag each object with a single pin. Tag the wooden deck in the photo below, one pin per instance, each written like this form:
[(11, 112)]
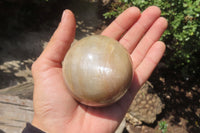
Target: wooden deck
[(15, 108)]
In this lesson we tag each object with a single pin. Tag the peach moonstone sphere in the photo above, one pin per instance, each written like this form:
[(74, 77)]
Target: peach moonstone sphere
[(97, 70)]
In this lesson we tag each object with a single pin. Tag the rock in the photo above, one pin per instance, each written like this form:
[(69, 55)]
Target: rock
[(105, 2), (14, 113), (132, 120), (145, 106), (133, 129)]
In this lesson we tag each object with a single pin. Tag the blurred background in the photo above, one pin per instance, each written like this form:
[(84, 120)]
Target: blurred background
[(26, 27)]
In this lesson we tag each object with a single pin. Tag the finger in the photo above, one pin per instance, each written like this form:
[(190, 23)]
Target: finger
[(152, 35), (142, 73), (150, 61), (136, 32), (61, 40), (122, 23)]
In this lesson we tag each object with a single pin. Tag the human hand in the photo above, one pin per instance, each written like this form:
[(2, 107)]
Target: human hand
[(54, 108)]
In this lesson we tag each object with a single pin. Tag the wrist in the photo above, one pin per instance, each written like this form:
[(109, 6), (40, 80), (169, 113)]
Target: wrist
[(47, 125), (39, 124)]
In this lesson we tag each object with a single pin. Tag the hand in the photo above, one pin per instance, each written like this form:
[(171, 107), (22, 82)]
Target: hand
[(56, 111)]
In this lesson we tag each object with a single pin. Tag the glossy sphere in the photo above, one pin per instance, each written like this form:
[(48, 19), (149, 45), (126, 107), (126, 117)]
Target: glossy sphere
[(97, 70)]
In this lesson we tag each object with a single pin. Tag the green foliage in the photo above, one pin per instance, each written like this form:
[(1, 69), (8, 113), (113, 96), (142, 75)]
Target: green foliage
[(115, 9), (163, 126), (183, 34)]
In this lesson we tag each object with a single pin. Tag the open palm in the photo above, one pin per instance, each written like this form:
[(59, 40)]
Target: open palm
[(56, 111)]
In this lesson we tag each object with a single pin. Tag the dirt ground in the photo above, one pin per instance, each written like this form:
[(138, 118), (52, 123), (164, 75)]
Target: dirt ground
[(25, 29)]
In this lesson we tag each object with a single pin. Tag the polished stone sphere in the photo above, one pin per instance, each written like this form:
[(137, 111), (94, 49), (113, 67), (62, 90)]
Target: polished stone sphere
[(97, 70)]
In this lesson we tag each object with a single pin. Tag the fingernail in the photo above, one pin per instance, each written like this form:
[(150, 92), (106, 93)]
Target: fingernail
[(64, 15)]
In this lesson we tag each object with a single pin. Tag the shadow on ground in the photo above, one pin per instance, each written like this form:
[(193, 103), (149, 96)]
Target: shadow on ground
[(27, 25), (181, 98)]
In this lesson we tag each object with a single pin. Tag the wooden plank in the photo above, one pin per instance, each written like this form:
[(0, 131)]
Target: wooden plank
[(14, 113), (23, 91)]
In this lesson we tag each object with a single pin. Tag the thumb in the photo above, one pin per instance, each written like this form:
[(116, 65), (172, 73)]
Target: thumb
[(61, 40)]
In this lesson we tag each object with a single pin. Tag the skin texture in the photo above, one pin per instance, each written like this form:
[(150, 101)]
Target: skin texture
[(97, 70), (54, 108)]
